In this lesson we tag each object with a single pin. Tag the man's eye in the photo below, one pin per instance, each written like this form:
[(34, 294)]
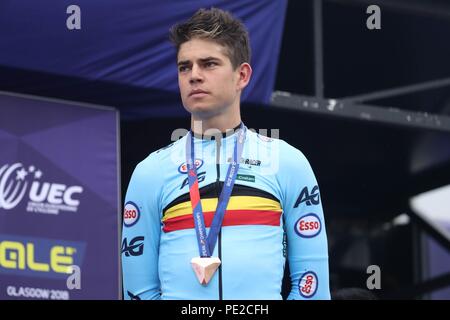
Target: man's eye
[(210, 64), (182, 69)]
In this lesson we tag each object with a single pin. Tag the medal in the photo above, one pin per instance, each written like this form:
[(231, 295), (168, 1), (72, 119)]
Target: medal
[(205, 266)]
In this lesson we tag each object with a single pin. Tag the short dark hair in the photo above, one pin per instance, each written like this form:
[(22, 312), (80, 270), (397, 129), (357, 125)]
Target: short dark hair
[(217, 25)]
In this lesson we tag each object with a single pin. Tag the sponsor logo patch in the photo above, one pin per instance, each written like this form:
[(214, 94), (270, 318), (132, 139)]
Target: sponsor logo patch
[(245, 177), (183, 167), (308, 284), (134, 248), (308, 226), (131, 214)]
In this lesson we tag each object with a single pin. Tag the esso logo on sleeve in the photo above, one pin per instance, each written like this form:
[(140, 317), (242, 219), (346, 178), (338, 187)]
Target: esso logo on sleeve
[(308, 226), (308, 284), (130, 214)]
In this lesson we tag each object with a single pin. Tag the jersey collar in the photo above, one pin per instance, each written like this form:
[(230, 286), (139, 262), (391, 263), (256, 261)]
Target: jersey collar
[(225, 134)]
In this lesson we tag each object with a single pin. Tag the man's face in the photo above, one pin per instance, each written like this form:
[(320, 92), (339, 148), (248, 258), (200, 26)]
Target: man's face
[(208, 84)]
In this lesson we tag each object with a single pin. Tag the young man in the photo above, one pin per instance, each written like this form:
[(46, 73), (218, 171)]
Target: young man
[(208, 216)]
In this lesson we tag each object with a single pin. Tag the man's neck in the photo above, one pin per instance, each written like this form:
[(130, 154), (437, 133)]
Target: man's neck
[(214, 124)]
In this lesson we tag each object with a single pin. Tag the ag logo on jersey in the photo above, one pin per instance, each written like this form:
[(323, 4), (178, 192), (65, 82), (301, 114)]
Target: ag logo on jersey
[(134, 248), (200, 176), (131, 214), (308, 284), (183, 167), (308, 226), (312, 198)]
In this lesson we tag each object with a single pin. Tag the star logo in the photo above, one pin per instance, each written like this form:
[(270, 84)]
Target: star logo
[(38, 174), (21, 174)]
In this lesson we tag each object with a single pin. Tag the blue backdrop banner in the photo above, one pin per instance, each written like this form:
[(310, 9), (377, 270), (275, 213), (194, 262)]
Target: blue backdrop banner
[(125, 43), (59, 200)]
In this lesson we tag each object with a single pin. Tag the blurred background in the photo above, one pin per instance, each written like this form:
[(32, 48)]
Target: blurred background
[(370, 108)]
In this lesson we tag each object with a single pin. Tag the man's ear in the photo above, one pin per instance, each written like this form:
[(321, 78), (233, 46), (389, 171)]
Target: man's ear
[(245, 73)]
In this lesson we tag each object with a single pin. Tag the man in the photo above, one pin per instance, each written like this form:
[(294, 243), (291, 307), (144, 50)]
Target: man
[(208, 216)]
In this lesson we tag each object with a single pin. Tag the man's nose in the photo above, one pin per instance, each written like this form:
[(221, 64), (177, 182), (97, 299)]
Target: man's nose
[(196, 75)]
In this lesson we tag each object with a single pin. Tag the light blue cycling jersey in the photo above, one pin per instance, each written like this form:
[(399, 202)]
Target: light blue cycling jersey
[(274, 213)]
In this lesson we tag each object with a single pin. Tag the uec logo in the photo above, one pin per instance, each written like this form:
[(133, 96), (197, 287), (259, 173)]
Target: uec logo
[(13, 188)]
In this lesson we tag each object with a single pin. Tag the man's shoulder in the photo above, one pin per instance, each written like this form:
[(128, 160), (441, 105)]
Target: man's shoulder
[(165, 151), (260, 138), (158, 158), (285, 150), (278, 153), (292, 157), (294, 152)]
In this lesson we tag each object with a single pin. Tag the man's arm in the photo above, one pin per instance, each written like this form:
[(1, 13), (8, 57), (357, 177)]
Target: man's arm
[(141, 233), (305, 229)]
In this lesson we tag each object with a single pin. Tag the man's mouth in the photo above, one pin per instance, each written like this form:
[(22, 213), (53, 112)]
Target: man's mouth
[(198, 93)]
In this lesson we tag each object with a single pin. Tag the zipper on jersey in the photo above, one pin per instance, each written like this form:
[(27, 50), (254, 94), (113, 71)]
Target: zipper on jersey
[(219, 249)]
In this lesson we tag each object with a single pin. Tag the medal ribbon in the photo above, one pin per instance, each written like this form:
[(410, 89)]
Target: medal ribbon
[(206, 243)]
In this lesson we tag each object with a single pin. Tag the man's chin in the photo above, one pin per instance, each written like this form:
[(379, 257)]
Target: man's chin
[(203, 112)]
